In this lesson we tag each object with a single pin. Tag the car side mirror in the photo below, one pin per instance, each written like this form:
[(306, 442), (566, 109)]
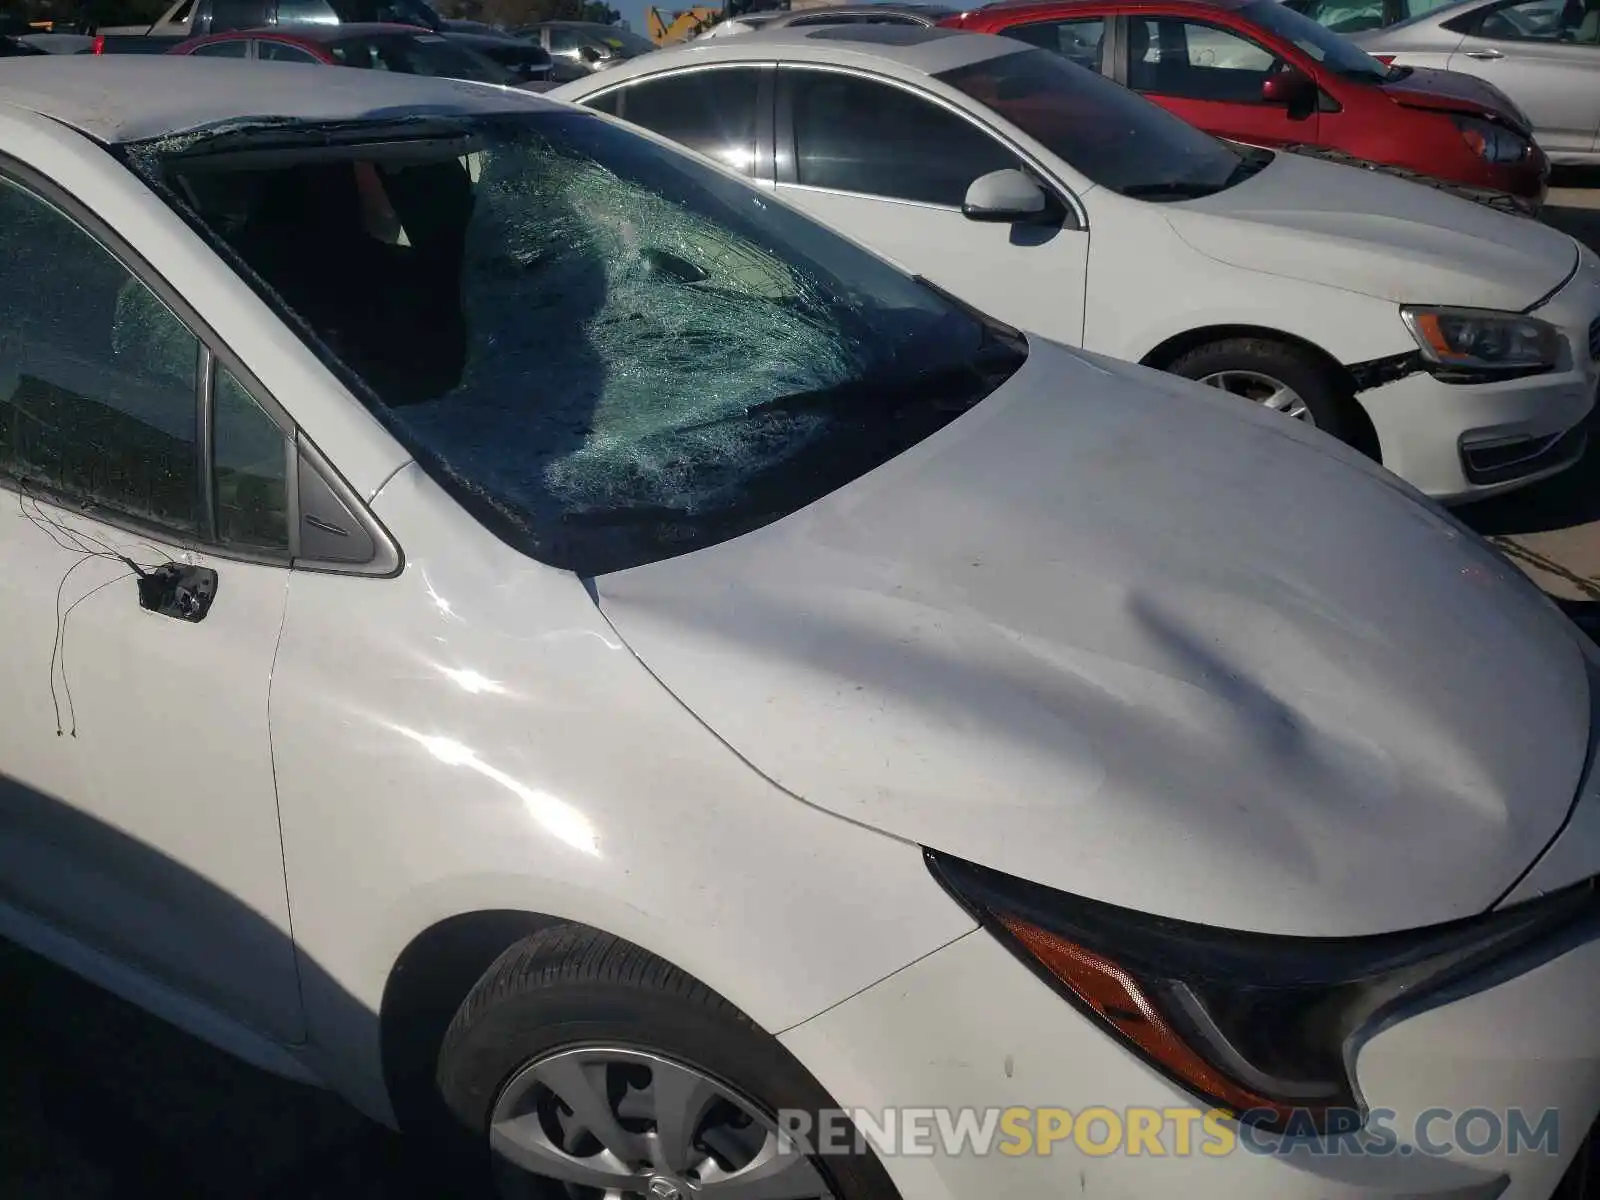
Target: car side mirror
[(589, 54), (1007, 196), (1293, 89)]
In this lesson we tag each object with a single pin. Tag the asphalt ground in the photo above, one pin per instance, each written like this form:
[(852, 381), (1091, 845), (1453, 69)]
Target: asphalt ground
[(100, 1102)]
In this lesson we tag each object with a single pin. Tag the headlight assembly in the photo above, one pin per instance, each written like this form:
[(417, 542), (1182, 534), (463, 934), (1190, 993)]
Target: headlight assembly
[(1492, 143), (1482, 342), (1263, 1026)]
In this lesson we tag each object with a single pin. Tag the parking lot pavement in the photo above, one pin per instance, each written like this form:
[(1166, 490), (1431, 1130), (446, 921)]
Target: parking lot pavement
[(100, 1102)]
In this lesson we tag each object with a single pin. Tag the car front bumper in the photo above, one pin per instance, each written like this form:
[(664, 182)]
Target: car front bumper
[(969, 1030), (1459, 442)]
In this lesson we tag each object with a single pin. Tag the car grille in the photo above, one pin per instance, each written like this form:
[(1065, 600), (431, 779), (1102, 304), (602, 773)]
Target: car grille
[(1505, 461), (1594, 338)]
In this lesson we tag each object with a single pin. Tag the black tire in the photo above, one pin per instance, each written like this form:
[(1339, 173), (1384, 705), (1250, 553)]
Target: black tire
[(571, 986), (1331, 406)]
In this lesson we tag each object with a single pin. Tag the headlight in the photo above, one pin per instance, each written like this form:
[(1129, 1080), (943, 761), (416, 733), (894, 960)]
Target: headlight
[(1262, 1026), (1491, 142), (1478, 340)]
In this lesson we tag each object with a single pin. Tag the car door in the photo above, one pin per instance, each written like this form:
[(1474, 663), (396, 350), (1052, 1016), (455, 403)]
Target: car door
[(145, 553), (890, 166), (1545, 55), (1212, 77)]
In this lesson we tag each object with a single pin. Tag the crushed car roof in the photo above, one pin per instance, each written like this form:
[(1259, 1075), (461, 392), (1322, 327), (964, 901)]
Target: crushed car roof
[(117, 98)]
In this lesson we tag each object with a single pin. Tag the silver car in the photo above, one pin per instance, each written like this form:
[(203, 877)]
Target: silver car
[(1543, 54)]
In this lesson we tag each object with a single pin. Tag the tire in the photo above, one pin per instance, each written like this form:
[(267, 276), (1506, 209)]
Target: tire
[(570, 1008), (1328, 405)]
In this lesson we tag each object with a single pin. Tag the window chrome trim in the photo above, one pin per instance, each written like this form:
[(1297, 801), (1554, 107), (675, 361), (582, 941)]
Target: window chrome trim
[(204, 437), (213, 352), (1078, 216)]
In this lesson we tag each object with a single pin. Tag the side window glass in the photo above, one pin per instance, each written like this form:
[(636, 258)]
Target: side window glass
[(854, 135), (299, 12), (1541, 21), (251, 465), (1080, 41), (1417, 8), (607, 103), (228, 15), (236, 48), (283, 52), (98, 378), (1194, 61), (711, 111), (1353, 16)]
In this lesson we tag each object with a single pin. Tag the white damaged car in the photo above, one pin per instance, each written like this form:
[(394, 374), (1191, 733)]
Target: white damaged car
[(1454, 343), (509, 623)]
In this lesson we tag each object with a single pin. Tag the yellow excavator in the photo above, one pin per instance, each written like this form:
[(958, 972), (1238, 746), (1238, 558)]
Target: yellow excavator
[(669, 26), (679, 25)]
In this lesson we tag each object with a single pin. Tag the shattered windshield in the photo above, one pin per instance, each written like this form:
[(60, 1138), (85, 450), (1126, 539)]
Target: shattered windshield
[(610, 352)]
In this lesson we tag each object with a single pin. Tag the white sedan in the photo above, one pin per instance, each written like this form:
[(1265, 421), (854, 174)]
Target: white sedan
[(1454, 343), (497, 612)]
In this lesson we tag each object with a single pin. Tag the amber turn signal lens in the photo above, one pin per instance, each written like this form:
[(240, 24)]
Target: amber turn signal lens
[(1117, 999)]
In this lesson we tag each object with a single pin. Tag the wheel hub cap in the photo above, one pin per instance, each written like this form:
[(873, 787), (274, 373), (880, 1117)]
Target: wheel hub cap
[(626, 1124)]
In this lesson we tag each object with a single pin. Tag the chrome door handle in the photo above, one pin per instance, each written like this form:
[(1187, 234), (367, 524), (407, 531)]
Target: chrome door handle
[(1489, 54)]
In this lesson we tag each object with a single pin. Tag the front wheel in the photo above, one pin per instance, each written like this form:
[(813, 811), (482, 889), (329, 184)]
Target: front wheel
[(1275, 375), (582, 1066)]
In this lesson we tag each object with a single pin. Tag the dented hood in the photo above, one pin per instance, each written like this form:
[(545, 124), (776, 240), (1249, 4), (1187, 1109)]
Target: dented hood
[(1454, 91), (1363, 231), (1118, 634)]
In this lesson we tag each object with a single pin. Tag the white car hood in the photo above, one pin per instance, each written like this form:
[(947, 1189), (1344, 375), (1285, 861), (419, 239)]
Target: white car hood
[(1366, 232), (1118, 634)]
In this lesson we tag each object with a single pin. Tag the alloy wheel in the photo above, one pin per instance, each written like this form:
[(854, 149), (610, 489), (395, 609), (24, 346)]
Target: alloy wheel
[(1263, 390)]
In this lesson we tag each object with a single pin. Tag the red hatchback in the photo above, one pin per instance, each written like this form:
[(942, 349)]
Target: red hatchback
[(1255, 71)]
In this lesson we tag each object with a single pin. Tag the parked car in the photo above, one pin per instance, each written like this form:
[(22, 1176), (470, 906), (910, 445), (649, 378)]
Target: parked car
[(58, 43), (678, 670), (1257, 72), (14, 47), (188, 19), (579, 47), (1450, 341), (401, 48), (884, 12), (1544, 54)]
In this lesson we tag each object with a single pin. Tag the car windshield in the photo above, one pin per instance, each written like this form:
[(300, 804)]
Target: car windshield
[(1110, 135), (1334, 51), (424, 54), (608, 351)]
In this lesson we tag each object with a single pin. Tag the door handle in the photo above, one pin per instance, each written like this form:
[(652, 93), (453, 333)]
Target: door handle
[(1484, 54), (175, 590)]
